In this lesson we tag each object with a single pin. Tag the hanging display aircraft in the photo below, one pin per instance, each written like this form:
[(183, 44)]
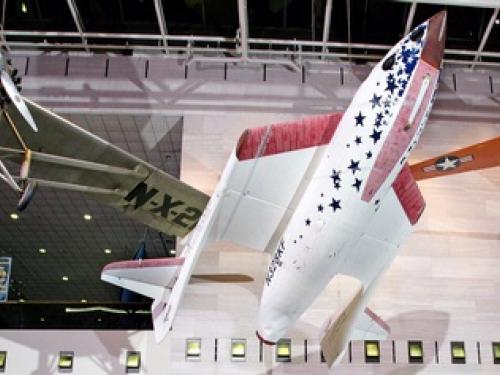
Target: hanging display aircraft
[(329, 195)]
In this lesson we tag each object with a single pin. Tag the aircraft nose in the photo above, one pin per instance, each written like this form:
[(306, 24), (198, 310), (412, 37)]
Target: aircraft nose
[(435, 40)]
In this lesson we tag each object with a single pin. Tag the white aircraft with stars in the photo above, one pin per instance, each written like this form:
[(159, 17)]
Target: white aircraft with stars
[(326, 196)]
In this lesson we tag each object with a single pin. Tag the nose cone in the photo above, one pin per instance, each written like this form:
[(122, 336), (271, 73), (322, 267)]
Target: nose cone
[(436, 36)]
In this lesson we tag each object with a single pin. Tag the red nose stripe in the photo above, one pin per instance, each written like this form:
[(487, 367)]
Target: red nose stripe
[(433, 50)]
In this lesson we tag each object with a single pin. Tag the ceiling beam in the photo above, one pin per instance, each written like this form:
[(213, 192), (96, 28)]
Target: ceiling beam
[(160, 15), (411, 15), (326, 26), (485, 37), (243, 17), (461, 3), (78, 22), (349, 40)]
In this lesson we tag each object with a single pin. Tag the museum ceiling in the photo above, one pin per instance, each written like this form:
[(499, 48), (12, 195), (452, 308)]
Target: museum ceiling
[(369, 21)]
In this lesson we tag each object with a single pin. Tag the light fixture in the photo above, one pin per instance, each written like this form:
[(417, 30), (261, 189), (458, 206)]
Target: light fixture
[(65, 278), (415, 352), (172, 252), (65, 363), (87, 217), (133, 362), (457, 352), (42, 319), (14, 216), (21, 300), (193, 349), (496, 352), (107, 251), (42, 251), (497, 21), (372, 352), (24, 7), (284, 350), (238, 350), (3, 360), (84, 300)]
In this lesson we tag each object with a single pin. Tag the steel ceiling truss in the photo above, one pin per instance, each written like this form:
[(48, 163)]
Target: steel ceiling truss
[(241, 48)]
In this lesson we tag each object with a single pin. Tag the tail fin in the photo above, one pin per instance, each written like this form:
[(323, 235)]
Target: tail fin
[(479, 156), (149, 277), (165, 279), (154, 278)]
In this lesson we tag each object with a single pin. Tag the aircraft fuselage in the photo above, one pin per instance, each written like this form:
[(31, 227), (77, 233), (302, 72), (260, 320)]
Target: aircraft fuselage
[(369, 148)]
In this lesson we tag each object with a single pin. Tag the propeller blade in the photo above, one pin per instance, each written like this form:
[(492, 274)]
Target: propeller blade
[(11, 90)]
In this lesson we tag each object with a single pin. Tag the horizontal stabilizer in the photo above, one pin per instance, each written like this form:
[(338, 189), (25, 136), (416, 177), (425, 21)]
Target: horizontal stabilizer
[(149, 277), (479, 156)]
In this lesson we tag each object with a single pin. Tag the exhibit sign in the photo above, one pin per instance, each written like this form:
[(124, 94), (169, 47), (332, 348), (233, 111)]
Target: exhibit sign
[(5, 267)]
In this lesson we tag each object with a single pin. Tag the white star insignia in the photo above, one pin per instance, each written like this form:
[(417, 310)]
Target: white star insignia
[(448, 164)]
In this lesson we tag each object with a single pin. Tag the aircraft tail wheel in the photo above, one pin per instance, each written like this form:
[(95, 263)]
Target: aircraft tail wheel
[(27, 195), (25, 166)]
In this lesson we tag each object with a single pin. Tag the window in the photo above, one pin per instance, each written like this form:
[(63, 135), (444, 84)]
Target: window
[(284, 350), (372, 352), (193, 349), (3, 361), (457, 352), (238, 350), (415, 352), (417, 34), (65, 363), (496, 353), (389, 62), (133, 362)]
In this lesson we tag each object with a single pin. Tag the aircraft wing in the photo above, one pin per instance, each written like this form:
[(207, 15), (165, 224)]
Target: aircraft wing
[(68, 157), (266, 175), (479, 156)]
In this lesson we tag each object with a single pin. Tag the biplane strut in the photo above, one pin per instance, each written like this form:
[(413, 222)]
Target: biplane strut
[(9, 93)]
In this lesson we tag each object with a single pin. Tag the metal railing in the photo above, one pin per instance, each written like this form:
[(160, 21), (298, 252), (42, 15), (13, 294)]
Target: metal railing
[(222, 49)]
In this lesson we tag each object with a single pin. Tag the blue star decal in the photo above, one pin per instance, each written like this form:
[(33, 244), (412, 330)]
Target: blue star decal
[(359, 119), (369, 155), (308, 222), (375, 101), (336, 185), (375, 135), (387, 103), (354, 167), (320, 208), (406, 54), (357, 184), (335, 176), (358, 140), (335, 205), (391, 86)]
